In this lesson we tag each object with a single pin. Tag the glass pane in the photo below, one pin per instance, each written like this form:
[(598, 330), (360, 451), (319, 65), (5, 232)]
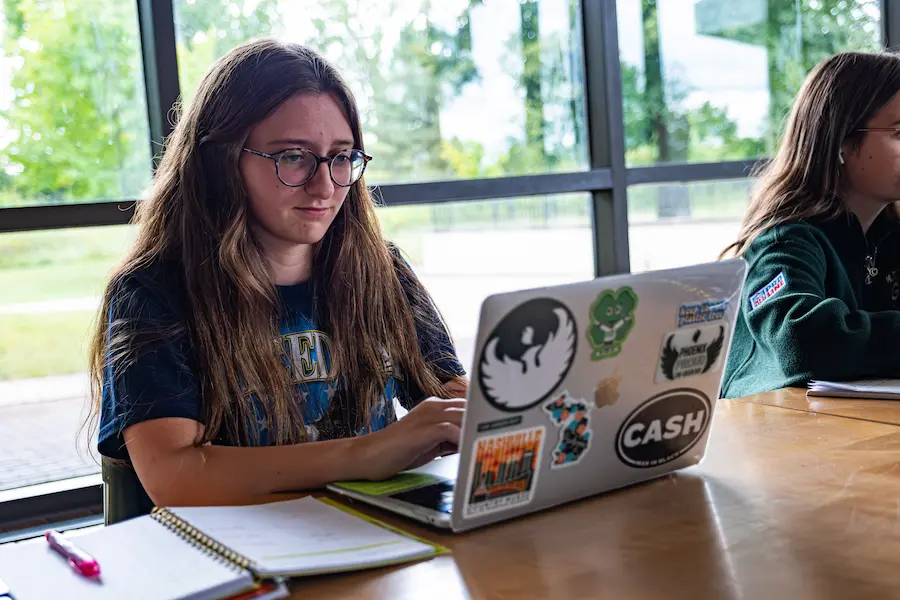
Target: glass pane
[(450, 89), (677, 224), (464, 252), (712, 80), (50, 285), (73, 113)]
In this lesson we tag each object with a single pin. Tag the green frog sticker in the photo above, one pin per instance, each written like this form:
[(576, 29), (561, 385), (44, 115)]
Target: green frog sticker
[(612, 318)]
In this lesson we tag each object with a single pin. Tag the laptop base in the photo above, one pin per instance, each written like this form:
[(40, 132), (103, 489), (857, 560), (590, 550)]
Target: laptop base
[(419, 512)]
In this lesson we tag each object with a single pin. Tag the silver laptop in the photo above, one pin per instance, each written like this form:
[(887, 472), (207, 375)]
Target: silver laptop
[(578, 389)]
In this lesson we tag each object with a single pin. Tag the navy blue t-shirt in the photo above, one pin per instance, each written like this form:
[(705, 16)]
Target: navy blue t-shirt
[(161, 382)]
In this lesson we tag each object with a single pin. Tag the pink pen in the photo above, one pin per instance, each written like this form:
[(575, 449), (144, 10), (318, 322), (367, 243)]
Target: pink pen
[(83, 563)]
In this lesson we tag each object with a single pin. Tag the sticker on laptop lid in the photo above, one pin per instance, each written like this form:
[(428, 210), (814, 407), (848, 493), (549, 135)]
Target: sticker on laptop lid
[(690, 352), (663, 428), (572, 415), (504, 471), (527, 354), (499, 424), (767, 291), (707, 311), (612, 319)]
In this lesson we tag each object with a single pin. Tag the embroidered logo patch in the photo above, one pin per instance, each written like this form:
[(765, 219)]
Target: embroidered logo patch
[(768, 290)]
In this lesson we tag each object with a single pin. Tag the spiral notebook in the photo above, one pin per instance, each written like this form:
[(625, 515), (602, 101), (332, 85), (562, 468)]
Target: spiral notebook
[(200, 553)]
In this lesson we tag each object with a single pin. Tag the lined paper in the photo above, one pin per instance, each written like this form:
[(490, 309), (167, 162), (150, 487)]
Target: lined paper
[(302, 536), (139, 559), (887, 389)]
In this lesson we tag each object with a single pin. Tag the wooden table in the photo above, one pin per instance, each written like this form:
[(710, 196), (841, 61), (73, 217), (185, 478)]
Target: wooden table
[(881, 411), (787, 504)]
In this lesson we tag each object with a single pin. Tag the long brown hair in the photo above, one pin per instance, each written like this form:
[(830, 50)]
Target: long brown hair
[(196, 218), (803, 180)]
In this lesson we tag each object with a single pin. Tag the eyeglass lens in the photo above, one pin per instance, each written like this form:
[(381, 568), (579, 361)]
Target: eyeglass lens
[(296, 167)]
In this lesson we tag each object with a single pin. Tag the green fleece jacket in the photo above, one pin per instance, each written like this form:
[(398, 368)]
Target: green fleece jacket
[(820, 302)]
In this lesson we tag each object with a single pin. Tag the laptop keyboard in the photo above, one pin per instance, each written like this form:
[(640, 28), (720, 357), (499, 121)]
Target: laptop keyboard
[(437, 496)]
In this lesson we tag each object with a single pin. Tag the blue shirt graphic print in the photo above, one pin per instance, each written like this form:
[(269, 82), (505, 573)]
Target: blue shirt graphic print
[(162, 382), (308, 358)]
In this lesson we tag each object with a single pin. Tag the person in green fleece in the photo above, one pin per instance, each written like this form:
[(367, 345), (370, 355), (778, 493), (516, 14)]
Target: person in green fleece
[(821, 238)]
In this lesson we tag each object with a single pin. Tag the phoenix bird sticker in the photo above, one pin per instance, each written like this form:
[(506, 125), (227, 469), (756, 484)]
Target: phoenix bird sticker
[(612, 319), (690, 352), (527, 355)]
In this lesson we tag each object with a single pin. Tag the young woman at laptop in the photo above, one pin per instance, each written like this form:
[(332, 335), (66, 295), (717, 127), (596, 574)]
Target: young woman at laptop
[(822, 239), (255, 337)]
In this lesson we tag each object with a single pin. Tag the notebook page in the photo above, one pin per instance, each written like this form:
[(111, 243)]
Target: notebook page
[(879, 386), (139, 559), (302, 536)]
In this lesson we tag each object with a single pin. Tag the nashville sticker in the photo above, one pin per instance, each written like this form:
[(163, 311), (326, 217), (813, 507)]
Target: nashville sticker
[(504, 471), (573, 417), (689, 352), (612, 318)]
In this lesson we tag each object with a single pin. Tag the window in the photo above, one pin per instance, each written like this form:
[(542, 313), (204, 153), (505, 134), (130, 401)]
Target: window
[(712, 80), (484, 248), (679, 224), (73, 114), (447, 90), (50, 288)]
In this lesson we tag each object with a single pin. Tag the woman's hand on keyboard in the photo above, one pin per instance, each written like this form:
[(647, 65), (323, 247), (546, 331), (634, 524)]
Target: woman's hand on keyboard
[(431, 429)]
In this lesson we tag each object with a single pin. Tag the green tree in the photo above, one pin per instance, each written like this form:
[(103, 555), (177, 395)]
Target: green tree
[(548, 67), (798, 40), (532, 75), (659, 121), (797, 35), (207, 29), (428, 67), (77, 104), (78, 93), (403, 87)]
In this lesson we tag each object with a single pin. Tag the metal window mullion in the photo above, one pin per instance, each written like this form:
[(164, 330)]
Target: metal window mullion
[(890, 23), (120, 212), (156, 21), (606, 131)]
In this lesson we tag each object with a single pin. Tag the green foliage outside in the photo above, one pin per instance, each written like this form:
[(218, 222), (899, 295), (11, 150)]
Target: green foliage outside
[(79, 113), (796, 34)]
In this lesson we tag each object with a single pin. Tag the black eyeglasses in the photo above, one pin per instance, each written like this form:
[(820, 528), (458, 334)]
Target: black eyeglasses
[(296, 166), (893, 129)]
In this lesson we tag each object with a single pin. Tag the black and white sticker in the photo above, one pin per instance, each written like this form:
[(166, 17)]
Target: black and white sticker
[(663, 428), (527, 355), (690, 352)]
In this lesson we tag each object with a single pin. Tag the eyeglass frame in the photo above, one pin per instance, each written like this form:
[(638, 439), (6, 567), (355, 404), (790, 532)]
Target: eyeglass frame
[(319, 160), (894, 129)]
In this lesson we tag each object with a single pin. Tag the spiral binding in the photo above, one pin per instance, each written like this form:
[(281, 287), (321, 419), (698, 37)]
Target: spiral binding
[(198, 539)]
